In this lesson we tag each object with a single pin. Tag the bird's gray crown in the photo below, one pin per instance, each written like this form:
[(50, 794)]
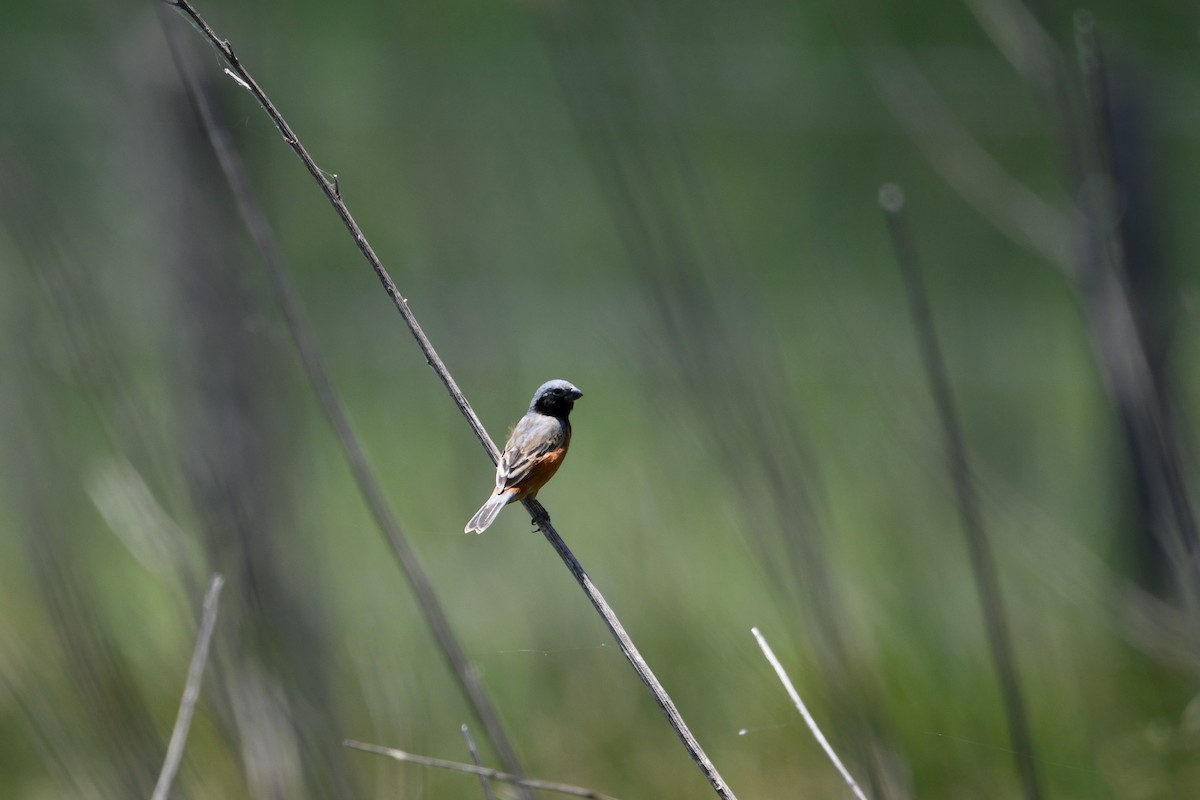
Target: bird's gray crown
[(555, 398)]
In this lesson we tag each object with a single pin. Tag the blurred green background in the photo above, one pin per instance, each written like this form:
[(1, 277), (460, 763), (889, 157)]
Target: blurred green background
[(674, 206)]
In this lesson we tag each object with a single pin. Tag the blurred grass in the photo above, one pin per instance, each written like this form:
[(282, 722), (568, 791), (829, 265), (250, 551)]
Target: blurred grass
[(455, 145)]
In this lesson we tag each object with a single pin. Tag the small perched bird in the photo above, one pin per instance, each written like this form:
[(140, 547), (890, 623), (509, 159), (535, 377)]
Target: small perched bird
[(534, 452)]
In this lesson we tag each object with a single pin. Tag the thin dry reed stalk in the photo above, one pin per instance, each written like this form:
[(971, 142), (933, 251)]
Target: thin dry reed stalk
[(537, 512)]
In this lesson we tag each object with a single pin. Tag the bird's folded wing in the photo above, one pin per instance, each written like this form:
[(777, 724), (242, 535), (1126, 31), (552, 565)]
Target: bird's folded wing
[(535, 437)]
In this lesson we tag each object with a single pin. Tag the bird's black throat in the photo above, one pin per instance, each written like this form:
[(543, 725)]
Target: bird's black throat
[(554, 406)]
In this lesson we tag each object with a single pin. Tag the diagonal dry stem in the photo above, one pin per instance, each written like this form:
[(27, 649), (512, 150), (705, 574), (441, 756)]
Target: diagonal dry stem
[(538, 513), (472, 769), (191, 692), (483, 781), (808, 719)]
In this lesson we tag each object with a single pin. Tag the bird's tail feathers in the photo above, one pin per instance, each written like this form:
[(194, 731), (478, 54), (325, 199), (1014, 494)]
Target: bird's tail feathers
[(487, 514)]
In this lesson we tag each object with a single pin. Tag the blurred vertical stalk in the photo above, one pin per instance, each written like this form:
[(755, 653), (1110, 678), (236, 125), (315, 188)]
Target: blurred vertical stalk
[(1116, 283), (78, 695), (983, 567), (628, 111), (231, 424), (289, 304), (1089, 247)]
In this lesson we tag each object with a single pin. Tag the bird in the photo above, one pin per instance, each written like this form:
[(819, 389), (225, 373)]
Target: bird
[(535, 450)]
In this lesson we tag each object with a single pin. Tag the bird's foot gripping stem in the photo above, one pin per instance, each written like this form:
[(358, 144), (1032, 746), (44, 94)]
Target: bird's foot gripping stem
[(539, 516)]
